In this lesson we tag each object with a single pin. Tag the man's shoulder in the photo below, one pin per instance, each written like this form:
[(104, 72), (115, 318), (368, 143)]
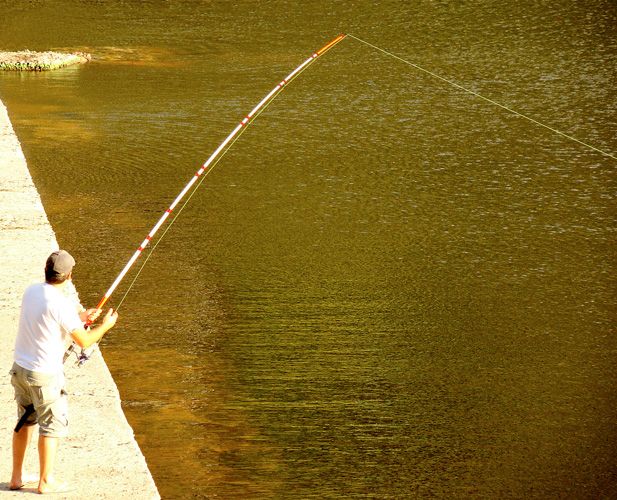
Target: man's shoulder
[(34, 289), (33, 286), (44, 293)]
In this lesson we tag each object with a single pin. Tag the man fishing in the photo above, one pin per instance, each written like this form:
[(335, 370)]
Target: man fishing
[(49, 317)]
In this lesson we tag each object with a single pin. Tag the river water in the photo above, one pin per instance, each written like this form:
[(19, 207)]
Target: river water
[(388, 287)]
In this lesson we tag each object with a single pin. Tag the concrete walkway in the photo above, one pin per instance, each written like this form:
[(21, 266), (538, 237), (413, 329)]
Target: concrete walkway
[(101, 459)]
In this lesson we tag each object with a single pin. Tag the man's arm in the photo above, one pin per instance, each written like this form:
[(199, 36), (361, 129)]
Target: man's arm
[(85, 338)]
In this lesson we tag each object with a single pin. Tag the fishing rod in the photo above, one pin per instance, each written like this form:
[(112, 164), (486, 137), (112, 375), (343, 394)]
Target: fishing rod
[(210, 162)]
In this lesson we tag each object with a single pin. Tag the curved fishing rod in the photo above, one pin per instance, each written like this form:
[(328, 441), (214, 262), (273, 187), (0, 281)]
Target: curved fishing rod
[(223, 148)]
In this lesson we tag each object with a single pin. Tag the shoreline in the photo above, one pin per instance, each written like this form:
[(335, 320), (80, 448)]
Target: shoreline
[(100, 458), (27, 60)]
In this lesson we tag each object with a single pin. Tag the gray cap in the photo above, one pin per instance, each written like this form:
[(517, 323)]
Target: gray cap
[(61, 262)]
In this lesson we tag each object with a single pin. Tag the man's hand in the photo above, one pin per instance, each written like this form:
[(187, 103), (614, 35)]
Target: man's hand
[(110, 319), (91, 315), (85, 338)]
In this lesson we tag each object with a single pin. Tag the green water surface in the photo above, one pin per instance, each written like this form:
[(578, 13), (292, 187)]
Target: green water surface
[(388, 288)]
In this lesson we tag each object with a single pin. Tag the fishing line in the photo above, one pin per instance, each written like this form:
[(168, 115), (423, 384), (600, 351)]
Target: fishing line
[(454, 84)]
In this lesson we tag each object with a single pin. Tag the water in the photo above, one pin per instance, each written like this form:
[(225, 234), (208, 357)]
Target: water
[(387, 288)]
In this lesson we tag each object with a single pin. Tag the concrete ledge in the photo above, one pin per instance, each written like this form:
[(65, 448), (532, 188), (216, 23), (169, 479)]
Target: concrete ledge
[(26, 60), (101, 459)]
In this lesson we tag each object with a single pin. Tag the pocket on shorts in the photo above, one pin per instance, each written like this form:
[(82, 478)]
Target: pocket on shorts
[(53, 414), (60, 410), (49, 393), (19, 393)]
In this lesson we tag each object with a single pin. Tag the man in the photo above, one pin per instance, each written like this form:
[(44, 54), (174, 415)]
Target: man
[(48, 319)]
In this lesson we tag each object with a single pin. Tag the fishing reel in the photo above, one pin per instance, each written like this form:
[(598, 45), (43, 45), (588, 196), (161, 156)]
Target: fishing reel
[(85, 355), (81, 356)]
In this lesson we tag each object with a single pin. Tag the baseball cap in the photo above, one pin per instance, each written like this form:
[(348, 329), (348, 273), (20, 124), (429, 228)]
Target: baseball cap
[(60, 262)]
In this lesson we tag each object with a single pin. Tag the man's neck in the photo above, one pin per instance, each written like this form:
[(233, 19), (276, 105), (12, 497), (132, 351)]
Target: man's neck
[(59, 286)]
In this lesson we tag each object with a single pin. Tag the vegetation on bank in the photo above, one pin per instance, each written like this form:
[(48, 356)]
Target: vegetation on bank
[(27, 60)]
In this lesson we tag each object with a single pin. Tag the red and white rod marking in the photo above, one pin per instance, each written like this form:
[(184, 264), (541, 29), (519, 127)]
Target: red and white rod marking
[(203, 168)]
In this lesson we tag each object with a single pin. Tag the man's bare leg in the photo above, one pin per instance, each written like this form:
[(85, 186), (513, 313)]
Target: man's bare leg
[(48, 447), (21, 440)]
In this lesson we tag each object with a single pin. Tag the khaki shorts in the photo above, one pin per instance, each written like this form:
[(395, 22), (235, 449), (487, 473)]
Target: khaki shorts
[(46, 392)]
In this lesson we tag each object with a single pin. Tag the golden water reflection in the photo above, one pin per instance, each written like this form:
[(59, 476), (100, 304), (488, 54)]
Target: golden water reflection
[(145, 56), (199, 434)]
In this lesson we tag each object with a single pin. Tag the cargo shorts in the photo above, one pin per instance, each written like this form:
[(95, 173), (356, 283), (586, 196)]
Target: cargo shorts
[(46, 392)]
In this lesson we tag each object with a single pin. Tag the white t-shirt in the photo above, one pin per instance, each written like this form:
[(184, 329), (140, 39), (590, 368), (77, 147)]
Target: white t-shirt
[(47, 318)]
